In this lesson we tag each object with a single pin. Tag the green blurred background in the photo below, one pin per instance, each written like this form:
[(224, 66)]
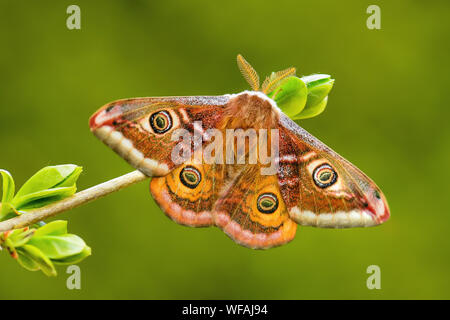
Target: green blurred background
[(387, 113)]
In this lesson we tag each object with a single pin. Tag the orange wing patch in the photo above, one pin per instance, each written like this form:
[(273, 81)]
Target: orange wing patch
[(187, 194), (252, 211)]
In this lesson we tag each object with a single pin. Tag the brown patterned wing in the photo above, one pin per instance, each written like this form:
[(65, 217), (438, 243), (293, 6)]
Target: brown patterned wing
[(322, 189), (251, 211), (140, 130), (188, 193), (246, 205)]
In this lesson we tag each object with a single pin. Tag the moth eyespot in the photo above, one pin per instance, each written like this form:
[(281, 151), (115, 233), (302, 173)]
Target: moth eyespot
[(324, 176), (161, 121), (267, 203), (190, 177)]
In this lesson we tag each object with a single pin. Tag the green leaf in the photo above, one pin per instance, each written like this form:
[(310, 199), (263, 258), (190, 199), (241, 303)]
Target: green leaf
[(7, 211), (319, 86), (59, 247), (312, 111), (7, 193), (20, 237), (39, 258), (54, 228), (8, 186), (42, 197), (71, 179), (316, 79), (75, 258), (26, 261), (291, 95), (7, 244), (50, 177)]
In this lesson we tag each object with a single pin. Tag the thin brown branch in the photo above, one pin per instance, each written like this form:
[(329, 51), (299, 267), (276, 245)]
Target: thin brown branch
[(74, 201)]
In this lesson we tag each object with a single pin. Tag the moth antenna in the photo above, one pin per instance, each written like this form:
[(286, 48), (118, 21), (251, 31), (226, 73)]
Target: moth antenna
[(274, 79), (248, 72)]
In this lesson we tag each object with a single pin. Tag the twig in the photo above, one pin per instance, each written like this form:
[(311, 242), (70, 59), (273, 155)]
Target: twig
[(74, 201)]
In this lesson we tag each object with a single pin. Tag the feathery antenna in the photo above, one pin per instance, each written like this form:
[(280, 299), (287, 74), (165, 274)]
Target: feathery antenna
[(275, 78), (248, 72), (270, 83)]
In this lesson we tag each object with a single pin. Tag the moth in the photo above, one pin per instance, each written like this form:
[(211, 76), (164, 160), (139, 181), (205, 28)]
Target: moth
[(311, 186)]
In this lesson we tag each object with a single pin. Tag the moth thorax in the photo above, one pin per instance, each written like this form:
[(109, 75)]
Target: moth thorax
[(251, 110)]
